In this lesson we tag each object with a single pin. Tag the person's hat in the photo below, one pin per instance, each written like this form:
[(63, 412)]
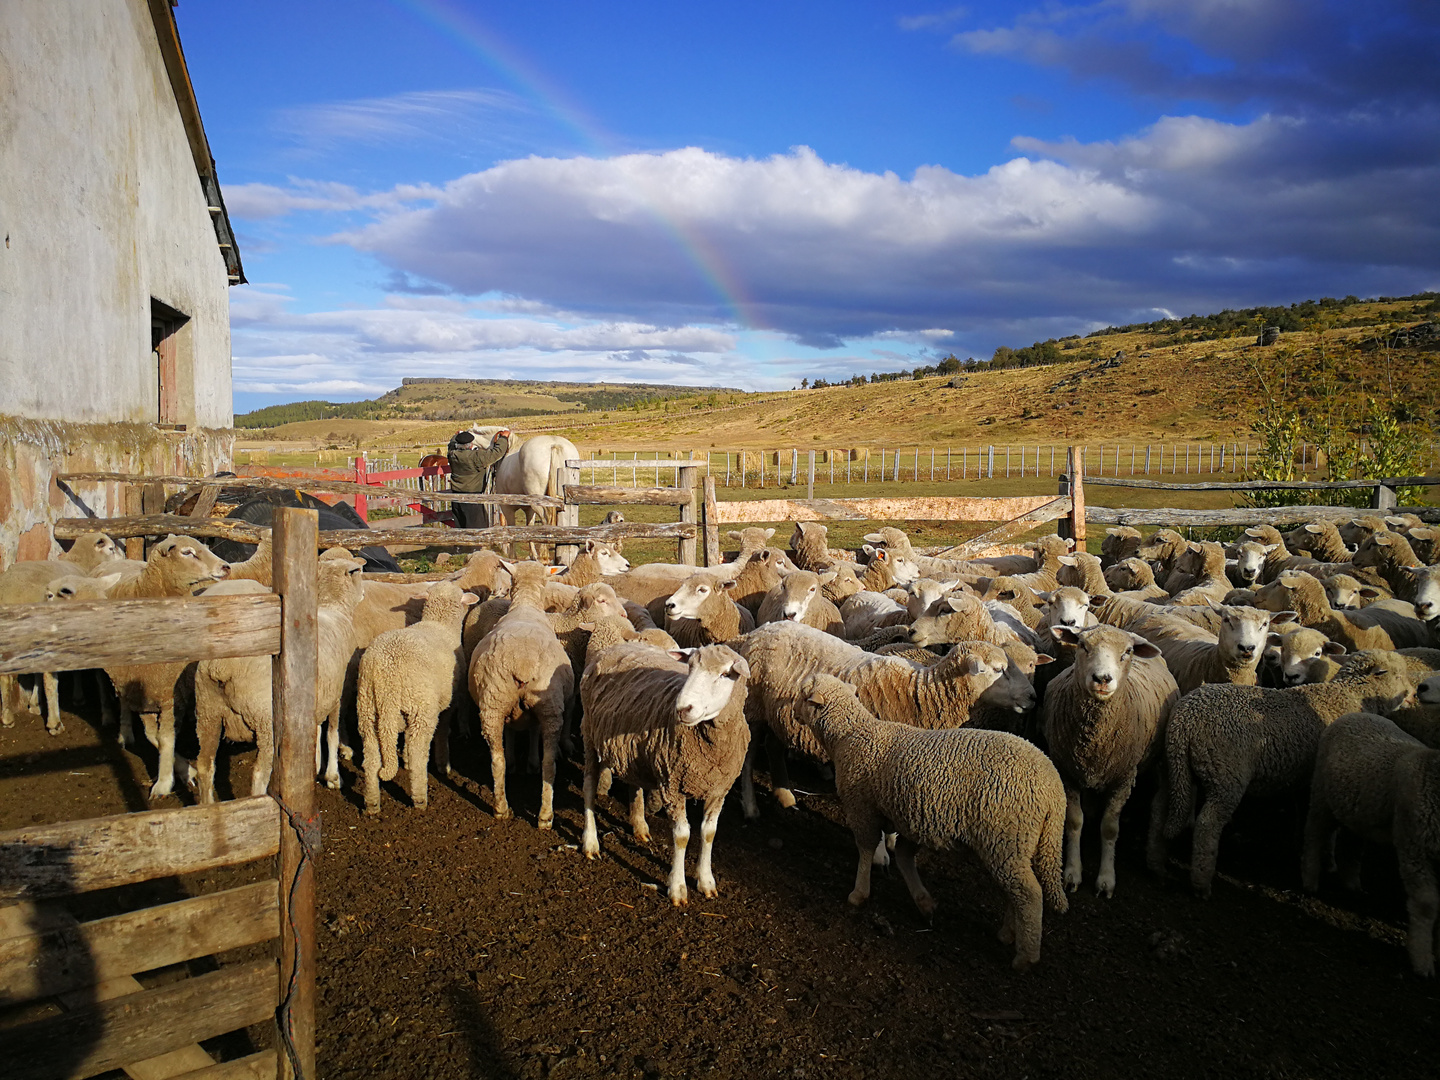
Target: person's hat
[(464, 438)]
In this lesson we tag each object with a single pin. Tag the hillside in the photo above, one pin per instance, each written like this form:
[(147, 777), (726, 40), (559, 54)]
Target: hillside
[(1199, 378)]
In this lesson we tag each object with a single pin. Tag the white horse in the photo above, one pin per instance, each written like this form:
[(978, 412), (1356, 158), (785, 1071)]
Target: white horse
[(529, 469)]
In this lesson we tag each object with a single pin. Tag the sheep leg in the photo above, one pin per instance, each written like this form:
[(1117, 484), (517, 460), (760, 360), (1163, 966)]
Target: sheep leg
[(533, 764), (208, 732), (332, 738), (549, 723), (497, 772), (1024, 909), (1319, 827), (638, 824), (905, 861), (126, 734), (1214, 815), (867, 834), (680, 825), (747, 781), (1109, 834), (53, 722), (165, 741), (1422, 901), (264, 759), (1074, 822), (102, 692), (704, 876), (591, 842), (8, 686), (603, 782), (417, 759), (441, 745), (779, 770), (370, 747)]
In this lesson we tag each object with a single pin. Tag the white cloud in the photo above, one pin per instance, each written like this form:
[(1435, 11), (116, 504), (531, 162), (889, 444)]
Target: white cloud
[(934, 20), (257, 201), (418, 115)]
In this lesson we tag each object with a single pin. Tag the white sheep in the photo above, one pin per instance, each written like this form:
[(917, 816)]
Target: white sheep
[(1195, 657), (1227, 742), (1382, 784), (671, 723), (702, 612), (1103, 718), (1289, 656), (987, 791), (799, 598)]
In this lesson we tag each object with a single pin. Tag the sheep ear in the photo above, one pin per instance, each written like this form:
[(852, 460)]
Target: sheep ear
[(1069, 560), (469, 599), (954, 603), (588, 627), (1369, 593), (769, 533), (728, 583), (1333, 648), (827, 577), (1391, 519), (683, 655), (740, 667), (734, 535), (1097, 601), (108, 581), (1145, 650), (1383, 540), (1065, 635), (590, 547), (1044, 597), (874, 538), (1268, 548), (508, 565), (1282, 617), (1313, 528), (1274, 641), (1041, 660), (1112, 532)]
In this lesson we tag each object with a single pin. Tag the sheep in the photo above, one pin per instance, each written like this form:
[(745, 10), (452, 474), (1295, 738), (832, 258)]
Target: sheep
[(652, 581), (174, 567), (1377, 781), (669, 723), (1144, 618), (1321, 540), (846, 583), (1082, 571), (1233, 657), (1046, 574), (232, 695), (810, 542), (1357, 530), (612, 630), (990, 792), (1290, 655), (867, 611), (959, 618), (701, 611), (1425, 543), (91, 551), (782, 654), (408, 678), (1233, 741), (1162, 550), (1246, 563), (1207, 563), (595, 562), (1121, 542), (1369, 628), (1425, 594), (26, 583), (1345, 593), (798, 599), (1403, 523), (1007, 702), (1104, 717), (1019, 596), (519, 673), (1133, 579), (1390, 555), (1065, 606), (70, 587)]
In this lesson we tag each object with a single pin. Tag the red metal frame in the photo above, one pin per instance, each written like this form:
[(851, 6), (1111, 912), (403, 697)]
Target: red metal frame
[(438, 467)]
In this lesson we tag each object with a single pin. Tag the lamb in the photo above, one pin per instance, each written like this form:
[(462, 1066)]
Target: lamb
[(1233, 657), (1104, 717), (1290, 656), (1377, 781), (1082, 571), (987, 791), (781, 655), (1233, 741), (26, 583), (1357, 530), (408, 678), (1321, 540), (1369, 628), (959, 618), (175, 567), (1134, 579), (669, 723), (798, 598), (701, 611), (596, 561), (232, 695), (519, 675), (91, 551), (1207, 563), (1121, 542)]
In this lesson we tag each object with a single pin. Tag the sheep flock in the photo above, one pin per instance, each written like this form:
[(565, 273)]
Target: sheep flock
[(982, 705)]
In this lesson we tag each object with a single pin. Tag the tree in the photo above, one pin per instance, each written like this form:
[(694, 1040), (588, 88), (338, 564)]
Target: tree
[(949, 365), (804, 383)]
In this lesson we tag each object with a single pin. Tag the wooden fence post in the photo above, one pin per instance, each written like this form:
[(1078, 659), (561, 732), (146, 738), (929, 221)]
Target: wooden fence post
[(810, 487), (711, 525), (292, 784), (134, 545), (570, 515), (685, 480), (990, 472), (362, 502), (1383, 498), (1077, 496)]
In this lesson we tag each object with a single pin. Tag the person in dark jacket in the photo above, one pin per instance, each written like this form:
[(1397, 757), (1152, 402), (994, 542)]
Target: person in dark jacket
[(472, 468)]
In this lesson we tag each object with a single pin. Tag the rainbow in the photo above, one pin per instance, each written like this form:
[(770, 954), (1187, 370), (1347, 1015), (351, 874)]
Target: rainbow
[(475, 37)]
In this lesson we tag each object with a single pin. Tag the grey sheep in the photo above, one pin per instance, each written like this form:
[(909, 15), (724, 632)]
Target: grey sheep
[(1226, 742), (1104, 717), (987, 791), (1382, 784), (1121, 542), (669, 723)]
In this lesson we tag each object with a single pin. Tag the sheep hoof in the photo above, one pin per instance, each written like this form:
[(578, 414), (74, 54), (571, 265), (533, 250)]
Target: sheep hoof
[(926, 903), (373, 809), (785, 797), (1105, 887), (161, 789), (545, 823), (55, 727), (642, 836), (592, 850), (1021, 963), (707, 889), (679, 898), (346, 754), (857, 897), (333, 783), (421, 806)]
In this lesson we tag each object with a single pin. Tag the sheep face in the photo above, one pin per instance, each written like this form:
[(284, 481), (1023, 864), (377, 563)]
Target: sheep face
[(80, 588), (1102, 657), (1427, 593), (610, 560), (1250, 560), (1343, 592), (1289, 591), (1383, 548), (904, 568), (1293, 653), (1014, 690), (1129, 574), (1429, 691), (1067, 607), (956, 620), (798, 591), (598, 601), (188, 562), (1357, 530), (715, 671), (91, 549), (924, 592), (1244, 630), (686, 601)]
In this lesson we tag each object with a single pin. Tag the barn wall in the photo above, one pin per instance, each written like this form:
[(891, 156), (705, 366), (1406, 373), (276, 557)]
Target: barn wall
[(33, 451), (102, 210)]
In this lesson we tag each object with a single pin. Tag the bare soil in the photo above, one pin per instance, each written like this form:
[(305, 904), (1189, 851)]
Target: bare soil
[(455, 946)]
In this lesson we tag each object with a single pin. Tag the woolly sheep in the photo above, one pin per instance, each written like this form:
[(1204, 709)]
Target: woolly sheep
[(1370, 628), (91, 551), (866, 611), (520, 674), (1234, 741), (1121, 542), (408, 678), (798, 598), (782, 655), (1425, 593), (1207, 563), (669, 723), (612, 630), (987, 791), (959, 618), (1018, 595), (702, 612), (1248, 563), (1009, 701), (1290, 655), (1390, 555), (1345, 593), (1359, 529), (1104, 716), (654, 580), (1133, 579), (1425, 543), (1082, 571), (1382, 784), (595, 562), (1321, 540), (810, 542), (1065, 606), (25, 583)]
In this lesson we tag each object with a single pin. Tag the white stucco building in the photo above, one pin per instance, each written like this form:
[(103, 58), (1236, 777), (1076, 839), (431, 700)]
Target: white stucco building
[(115, 261)]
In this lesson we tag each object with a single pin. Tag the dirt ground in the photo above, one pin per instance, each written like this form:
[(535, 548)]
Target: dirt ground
[(455, 946)]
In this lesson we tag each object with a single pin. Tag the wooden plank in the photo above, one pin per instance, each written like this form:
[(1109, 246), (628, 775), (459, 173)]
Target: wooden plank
[(206, 502), (1273, 515), (43, 861), (134, 545), (102, 633), (1267, 485), (139, 525), (109, 1034), (333, 487), (567, 478), (685, 483), (1077, 497), (604, 495), (712, 523), (52, 959), (292, 784), (1055, 508), (258, 1066), (909, 509)]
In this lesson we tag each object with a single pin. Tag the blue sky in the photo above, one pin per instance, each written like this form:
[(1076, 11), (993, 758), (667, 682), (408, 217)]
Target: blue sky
[(749, 194)]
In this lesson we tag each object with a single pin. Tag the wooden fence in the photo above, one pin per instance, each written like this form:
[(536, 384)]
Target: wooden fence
[(45, 952)]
